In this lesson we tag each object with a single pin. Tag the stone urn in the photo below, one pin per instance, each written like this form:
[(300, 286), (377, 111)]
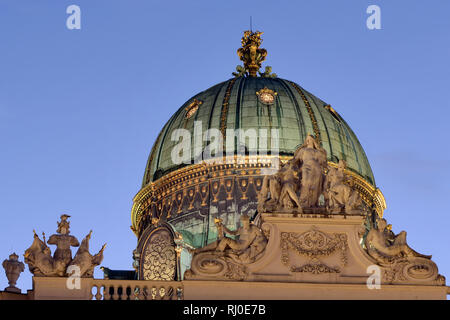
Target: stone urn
[(13, 267)]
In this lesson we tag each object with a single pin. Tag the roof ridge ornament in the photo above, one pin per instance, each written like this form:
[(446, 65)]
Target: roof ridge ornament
[(251, 53)]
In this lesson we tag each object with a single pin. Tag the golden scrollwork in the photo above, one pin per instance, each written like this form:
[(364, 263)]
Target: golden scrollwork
[(310, 112), (159, 258), (224, 111)]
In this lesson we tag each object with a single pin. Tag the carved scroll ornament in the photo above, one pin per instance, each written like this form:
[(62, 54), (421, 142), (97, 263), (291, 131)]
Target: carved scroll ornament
[(313, 244)]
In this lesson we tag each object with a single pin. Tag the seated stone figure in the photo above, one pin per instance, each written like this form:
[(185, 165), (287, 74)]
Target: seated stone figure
[(246, 248), (338, 195), (386, 247), (283, 187)]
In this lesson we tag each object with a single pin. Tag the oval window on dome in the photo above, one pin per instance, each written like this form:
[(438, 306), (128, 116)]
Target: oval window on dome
[(192, 108), (266, 95)]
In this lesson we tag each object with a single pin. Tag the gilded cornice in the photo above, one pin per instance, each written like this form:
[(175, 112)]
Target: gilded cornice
[(198, 178)]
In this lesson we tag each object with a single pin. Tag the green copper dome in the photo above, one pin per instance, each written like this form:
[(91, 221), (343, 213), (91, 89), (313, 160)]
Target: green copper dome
[(235, 104)]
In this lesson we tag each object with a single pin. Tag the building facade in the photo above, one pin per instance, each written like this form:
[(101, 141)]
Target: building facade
[(254, 189)]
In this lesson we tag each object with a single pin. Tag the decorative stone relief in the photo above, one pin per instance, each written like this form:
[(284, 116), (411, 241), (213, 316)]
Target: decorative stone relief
[(315, 268), (313, 244)]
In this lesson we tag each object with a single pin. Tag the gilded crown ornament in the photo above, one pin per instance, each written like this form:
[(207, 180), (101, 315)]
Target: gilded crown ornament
[(250, 53)]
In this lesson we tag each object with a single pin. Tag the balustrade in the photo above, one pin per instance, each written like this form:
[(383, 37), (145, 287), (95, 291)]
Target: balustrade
[(136, 290)]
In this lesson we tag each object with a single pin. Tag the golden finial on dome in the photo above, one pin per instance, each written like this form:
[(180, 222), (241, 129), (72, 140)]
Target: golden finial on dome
[(250, 53)]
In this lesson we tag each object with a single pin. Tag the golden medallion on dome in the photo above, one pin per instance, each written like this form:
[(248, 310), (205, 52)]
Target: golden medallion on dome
[(191, 109), (266, 95)]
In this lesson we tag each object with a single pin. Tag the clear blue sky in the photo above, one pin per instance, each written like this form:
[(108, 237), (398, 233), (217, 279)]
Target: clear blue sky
[(80, 109)]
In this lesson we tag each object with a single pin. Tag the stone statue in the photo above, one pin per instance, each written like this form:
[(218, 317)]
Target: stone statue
[(386, 247), (228, 258), (338, 195), (399, 262), (63, 225), (312, 160), (63, 242), (301, 184), (39, 259), (290, 182), (13, 267), (269, 195), (249, 244), (84, 260), (42, 264), (250, 241)]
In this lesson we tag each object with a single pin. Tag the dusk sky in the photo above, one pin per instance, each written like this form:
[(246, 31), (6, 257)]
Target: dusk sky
[(81, 109)]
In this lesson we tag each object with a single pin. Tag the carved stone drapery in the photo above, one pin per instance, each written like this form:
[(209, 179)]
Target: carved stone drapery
[(313, 244)]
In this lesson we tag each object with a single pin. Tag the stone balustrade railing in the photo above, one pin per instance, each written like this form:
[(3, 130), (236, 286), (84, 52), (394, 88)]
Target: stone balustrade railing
[(103, 289)]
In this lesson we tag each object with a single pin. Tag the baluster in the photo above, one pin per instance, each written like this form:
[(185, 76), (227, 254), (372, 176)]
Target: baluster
[(91, 296), (106, 292), (120, 293), (98, 295), (128, 293), (115, 295)]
